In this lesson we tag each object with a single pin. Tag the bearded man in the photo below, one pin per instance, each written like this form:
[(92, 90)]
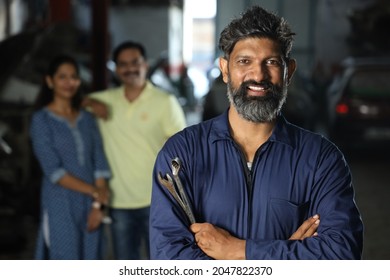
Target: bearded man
[(259, 187)]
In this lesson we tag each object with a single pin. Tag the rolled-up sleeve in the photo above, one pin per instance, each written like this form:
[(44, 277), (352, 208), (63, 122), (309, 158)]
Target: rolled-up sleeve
[(42, 144), (101, 166)]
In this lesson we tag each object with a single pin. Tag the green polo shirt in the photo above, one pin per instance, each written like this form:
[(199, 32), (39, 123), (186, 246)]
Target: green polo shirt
[(133, 135)]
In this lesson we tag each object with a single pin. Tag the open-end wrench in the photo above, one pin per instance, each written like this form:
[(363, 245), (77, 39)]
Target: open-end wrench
[(176, 165), (170, 185)]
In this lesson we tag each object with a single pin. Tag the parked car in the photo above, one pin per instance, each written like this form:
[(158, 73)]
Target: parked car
[(359, 103)]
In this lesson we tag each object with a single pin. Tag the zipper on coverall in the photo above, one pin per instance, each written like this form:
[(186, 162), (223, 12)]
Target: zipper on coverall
[(249, 182)]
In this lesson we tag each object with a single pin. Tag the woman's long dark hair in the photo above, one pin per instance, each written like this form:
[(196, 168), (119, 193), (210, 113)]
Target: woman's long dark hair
[(46, 94)]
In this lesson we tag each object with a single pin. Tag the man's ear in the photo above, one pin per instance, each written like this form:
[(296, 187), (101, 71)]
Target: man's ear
[(291, 67), (223, 66)]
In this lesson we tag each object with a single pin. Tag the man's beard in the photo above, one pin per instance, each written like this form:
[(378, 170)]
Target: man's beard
[(257, 109)]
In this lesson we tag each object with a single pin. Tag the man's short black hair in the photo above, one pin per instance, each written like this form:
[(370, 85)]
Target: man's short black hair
[(256, 22), (128, 45)]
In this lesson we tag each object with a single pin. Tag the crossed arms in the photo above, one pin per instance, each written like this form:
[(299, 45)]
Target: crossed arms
[(219, 244)]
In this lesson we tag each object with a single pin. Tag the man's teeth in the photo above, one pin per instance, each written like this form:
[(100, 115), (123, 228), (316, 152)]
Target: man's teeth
[(257, 88)]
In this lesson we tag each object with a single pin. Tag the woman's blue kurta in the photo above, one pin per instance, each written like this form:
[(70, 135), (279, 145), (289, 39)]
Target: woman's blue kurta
[(64, 148)]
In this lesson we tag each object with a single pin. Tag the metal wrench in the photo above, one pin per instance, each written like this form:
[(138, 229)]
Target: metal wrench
[(170, 185), (176, 165)]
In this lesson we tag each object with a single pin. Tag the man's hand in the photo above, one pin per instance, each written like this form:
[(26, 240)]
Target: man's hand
[(217, 243), (307, 229), (99, 109)]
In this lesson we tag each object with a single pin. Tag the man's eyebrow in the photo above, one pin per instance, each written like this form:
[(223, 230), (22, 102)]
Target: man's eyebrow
[(241, 56)]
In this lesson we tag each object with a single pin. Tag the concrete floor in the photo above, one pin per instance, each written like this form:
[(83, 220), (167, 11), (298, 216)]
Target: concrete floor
[(371, 178)]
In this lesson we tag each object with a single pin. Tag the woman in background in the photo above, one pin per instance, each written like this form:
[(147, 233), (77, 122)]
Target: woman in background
[(68, 146)]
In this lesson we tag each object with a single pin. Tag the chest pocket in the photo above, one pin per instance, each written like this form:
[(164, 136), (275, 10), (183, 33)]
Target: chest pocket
[(284, 217)]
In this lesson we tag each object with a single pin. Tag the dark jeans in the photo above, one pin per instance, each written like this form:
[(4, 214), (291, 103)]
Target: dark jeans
[(129, 228)]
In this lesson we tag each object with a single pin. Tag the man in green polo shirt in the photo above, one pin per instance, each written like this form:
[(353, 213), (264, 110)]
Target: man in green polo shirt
[(136, 119)]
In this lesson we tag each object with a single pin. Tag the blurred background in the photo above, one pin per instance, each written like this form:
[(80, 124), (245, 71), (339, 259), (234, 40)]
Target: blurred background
[(341, 88)]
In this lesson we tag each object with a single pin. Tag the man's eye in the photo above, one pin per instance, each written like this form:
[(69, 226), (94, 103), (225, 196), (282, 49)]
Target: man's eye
[(273, 62), (243, 61)]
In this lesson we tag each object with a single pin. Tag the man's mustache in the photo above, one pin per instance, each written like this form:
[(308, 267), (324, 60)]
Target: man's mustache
[(132, 73)]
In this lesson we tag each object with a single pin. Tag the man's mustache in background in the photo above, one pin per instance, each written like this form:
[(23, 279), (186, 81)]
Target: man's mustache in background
[(131, 73)]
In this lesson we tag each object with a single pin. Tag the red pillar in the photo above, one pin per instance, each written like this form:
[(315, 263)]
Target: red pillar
[(59, 10), (100, 46)]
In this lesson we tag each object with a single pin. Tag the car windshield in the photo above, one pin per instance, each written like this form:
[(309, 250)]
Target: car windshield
[(370, 83)]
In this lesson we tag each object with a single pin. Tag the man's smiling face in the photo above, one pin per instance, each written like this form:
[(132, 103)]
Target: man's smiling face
[(131, 67), (257, 77)]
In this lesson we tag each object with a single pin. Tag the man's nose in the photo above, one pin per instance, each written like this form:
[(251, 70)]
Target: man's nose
[(260, 72)]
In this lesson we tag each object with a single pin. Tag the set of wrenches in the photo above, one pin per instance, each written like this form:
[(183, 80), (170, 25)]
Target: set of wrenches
[(175, 187)]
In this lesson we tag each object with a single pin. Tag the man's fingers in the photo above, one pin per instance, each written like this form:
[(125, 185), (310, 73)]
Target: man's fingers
[(200, 235), (307, 229), (195, 227), (312, 229), (309, 225)]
